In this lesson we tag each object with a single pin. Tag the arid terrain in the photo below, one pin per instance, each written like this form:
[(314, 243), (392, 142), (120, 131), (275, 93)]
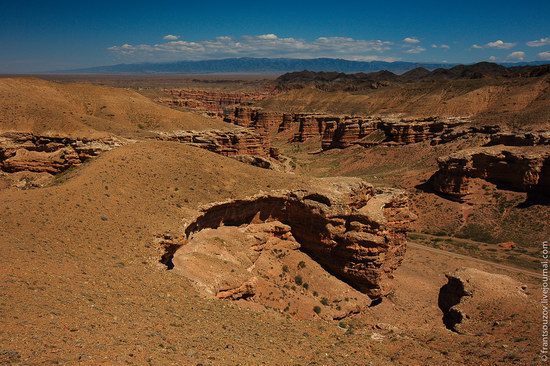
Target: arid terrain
[(309, 219)]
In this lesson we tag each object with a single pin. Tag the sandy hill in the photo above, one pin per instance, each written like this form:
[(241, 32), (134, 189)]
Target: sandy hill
[(42, 107)]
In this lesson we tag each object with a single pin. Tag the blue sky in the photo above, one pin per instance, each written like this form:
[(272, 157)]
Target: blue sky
[(53, 35)]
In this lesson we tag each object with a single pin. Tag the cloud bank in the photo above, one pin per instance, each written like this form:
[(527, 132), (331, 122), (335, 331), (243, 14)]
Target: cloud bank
[(498, 44), (539, 42), (263, 45)]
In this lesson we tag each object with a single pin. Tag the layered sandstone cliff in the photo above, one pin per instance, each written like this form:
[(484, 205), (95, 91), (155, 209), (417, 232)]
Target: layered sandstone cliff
[(516, 168), (21, 151), (341, 131), (212, 102), (356, 233), (243, 144), (227, 143)]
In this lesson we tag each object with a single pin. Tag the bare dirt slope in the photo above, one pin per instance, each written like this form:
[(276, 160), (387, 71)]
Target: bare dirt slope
[(517, 103), (81, 282), (42, 107)]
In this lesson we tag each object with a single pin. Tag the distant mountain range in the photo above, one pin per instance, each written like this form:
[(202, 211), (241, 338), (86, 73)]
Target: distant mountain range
[(262, 66), (332, 81)]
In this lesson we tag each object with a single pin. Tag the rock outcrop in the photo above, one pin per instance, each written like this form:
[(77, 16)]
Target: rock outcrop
[(226, 143), (241, 144), (341, 131), (211, 102), (515, 168), (49, 154), (520, 139), (354, 232), (474, 302)]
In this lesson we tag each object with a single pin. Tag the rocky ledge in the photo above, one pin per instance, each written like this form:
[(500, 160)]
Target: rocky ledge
[(523, 169), (339, 240), (49, 154), (241, 144)]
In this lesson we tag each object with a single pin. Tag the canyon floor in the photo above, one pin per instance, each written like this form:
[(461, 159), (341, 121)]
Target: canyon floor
[(139, 227)]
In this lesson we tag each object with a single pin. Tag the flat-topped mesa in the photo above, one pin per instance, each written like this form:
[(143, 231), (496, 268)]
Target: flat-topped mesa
[(355, 232), (515, 168), (227, 143), (21, 151)]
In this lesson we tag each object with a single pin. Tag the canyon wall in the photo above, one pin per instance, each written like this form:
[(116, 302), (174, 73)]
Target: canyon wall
[(516, 168), (212, 102), (343, 131)]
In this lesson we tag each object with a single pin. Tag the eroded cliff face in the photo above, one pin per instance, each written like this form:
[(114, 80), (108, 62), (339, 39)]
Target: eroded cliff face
[(226, 143), (516, 168), (520, 139), (243, 144), (352, 231), (341, 131), (49, 154), (211, 102)]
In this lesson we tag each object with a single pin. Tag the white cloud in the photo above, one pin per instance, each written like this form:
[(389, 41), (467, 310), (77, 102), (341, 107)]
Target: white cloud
[(517, 56), (263, 45), (492, 58), (373, 58), (170, 37), (544, 56), (414, 50), (498, 44), (269, 36), (539, 42), (444, 46), (411, 40)]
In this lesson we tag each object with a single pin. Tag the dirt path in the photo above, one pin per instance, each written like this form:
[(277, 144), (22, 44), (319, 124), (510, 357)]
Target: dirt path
[(455, 255)]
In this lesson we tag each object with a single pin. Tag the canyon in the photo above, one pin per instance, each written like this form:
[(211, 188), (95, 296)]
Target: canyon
[(151, 242), (342, 131)]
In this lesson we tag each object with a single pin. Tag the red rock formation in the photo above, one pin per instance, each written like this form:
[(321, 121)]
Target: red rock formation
[(518, 139), (268, 122), (227, 143), (48, 154), (516, 168), (355, 233), (210, 101), (344, 131)]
